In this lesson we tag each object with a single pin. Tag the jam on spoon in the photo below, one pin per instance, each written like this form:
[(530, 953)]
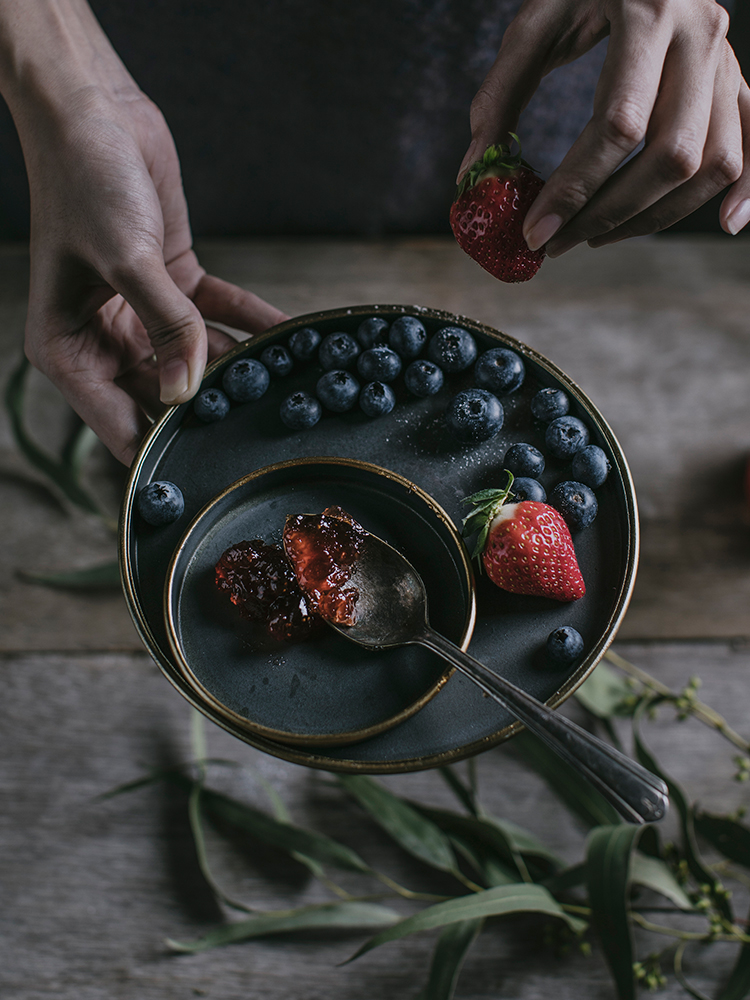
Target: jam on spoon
[(258, 579), (323, 549)]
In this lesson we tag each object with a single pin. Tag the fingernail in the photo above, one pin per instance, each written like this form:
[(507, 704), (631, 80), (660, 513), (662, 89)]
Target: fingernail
[(469, 157), (542, 231), (174, 381), (739, 217)]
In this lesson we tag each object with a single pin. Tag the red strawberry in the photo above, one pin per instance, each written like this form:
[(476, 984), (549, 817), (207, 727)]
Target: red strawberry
[(487, 216), (525, 547)]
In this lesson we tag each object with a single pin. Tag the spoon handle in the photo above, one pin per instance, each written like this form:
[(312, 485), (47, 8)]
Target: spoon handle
[(638, 795)]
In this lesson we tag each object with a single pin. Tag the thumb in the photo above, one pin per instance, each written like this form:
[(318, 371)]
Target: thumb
[(174, 326)]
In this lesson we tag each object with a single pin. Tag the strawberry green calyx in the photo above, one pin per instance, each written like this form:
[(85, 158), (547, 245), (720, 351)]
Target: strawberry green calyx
[(486, 504), (496, 161)]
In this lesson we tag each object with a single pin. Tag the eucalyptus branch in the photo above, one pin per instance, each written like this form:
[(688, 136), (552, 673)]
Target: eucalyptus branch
[(704, 713)]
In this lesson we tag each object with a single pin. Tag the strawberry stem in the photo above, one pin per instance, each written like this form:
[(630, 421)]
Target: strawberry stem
[(496, 159), (486, 504)]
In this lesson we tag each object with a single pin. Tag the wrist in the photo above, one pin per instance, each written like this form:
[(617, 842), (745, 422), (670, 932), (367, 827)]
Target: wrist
[(51, 51)]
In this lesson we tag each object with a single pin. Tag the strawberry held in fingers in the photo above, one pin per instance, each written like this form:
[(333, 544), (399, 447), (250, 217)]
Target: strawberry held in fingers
[(487, 216), (525, 547)]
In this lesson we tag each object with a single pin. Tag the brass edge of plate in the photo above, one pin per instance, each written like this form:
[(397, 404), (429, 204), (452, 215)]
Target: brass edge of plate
[(203, 695), (428, 761)]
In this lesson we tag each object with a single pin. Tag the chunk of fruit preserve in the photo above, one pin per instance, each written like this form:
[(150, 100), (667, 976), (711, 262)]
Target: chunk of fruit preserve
[(258, 579), (323, 549)]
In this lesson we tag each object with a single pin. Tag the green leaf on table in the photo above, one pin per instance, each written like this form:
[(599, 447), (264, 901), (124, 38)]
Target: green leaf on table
[(347, 916), (465, 794), (448, 957), (726, 835), (565, 781), (604, 691), (737, 986), (414, 832), (482, 844), (77, 449), (103, 577), (608, 863), (677, 797), (496, 902), (655, 874)]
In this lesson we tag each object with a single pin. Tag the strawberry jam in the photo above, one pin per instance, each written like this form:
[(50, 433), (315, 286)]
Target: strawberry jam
[(323, 549), (258, 579)]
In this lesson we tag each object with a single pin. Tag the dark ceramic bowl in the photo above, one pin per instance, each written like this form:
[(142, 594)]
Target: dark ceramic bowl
[(412, 441), (324, 691)]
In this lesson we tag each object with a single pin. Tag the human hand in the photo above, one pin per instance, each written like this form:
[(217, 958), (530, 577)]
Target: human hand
[(670, 80)]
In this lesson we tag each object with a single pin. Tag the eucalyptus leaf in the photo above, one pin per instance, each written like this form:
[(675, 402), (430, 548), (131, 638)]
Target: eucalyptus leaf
[(465, 795), (413, 831), (565, 781), (655, 874), (199, 841), (604, 691), (78, 448), (103, 577), (608, 858), (448, 957), (568, 878), (496, 902), (698, 869), (737, 986), (726, 835), (346, 916), (486, 847)]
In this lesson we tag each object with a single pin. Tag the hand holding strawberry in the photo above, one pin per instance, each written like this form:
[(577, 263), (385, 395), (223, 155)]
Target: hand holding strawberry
[(525, 547), (487, 215)]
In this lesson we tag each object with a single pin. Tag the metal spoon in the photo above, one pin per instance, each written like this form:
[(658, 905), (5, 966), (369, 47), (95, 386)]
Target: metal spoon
[(392, 611)]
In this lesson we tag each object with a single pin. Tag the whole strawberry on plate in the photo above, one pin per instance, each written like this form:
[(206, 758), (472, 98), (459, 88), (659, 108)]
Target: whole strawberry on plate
[(487, 216), (525, 547)]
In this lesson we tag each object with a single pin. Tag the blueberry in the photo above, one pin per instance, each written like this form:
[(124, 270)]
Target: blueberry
[(245, 380), (160, 503), (338, 350), (590, 466), (379, 364), (524, 488), (304, 343), (277, 360), (474, 415), (423, 378), (564, 645), (337, 391), (565, 436), (547, 404), (453, 348), (376, 399), (524, 460), (300, 411), (372, 332), (211, 405), (499, 370), (407, 336), (576, 502)]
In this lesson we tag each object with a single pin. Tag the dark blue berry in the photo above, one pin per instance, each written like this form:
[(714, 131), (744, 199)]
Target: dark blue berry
[(372, 332), (379, 364), (300, 411), (407, 336), (524, 488), (474, 415), (423, 378), (524, 460), (547, 404), (337, 391), (211, 405), (245, 380), (565, 436), (304, 343), (564, 645), (576, 502), (160, 503), (338, 350), (377, 399), (453, 348), (590, 466), (499, 370), (277, 360)]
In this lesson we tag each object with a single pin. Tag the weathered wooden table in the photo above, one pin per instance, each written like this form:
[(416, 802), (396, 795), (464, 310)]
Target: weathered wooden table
[(657, 332)]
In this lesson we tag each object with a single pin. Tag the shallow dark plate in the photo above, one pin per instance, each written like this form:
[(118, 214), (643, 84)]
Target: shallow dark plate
[(325, 691), (204, 459)]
